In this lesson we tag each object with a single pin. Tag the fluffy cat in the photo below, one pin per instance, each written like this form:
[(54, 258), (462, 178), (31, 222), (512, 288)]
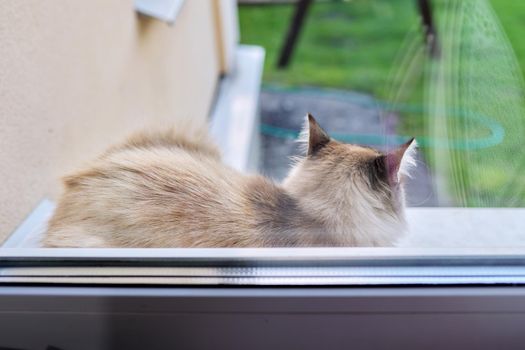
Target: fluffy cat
[(171, 190)]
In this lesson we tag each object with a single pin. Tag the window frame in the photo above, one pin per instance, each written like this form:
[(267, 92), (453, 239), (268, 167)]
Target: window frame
[(264, 266)]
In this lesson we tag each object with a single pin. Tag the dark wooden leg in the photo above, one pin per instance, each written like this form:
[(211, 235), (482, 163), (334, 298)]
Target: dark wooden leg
[(301, 9), (431, 39)]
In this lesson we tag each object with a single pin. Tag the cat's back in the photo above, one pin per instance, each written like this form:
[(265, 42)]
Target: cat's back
[(145, 193)]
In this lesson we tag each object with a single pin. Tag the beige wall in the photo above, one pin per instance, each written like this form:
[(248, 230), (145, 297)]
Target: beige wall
[(76, 76)]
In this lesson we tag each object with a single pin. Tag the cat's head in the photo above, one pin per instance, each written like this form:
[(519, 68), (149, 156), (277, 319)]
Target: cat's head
[(350, 182)]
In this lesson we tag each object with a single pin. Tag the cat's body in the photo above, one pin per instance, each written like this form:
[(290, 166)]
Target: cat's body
[(171, 190)]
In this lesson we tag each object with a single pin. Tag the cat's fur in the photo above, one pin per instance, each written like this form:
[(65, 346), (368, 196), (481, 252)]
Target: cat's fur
[(171, 190)]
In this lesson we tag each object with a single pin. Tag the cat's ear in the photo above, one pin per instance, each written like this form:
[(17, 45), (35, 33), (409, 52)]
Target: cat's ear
[(398, 162), (316, 137)]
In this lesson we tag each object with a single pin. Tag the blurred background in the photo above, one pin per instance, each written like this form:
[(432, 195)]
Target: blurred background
[(377, 72), (76, 77)]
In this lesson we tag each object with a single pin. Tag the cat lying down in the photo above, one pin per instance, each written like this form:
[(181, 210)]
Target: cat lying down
[(172, 190)]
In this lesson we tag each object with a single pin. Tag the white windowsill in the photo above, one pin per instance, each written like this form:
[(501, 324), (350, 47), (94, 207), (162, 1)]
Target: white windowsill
[(235, 117), (435, 230)]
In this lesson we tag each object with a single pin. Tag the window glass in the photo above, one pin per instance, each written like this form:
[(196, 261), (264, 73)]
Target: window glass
[(379, 72), (390, 133)]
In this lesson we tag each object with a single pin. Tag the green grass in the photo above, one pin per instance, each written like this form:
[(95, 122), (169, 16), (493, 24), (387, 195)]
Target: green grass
[(350, 44), (353, 45), (347, 45), (511, 14)]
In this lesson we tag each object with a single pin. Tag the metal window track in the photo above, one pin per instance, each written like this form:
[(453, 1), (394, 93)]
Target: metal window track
[(271, 267)]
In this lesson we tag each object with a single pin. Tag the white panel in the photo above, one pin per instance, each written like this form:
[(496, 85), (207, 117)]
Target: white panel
[(164, 10)]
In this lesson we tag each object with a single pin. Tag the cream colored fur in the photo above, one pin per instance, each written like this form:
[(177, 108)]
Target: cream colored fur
[(171, 190)]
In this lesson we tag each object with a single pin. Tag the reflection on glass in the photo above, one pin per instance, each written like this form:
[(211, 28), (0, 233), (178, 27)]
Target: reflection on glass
[(470, 114)]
